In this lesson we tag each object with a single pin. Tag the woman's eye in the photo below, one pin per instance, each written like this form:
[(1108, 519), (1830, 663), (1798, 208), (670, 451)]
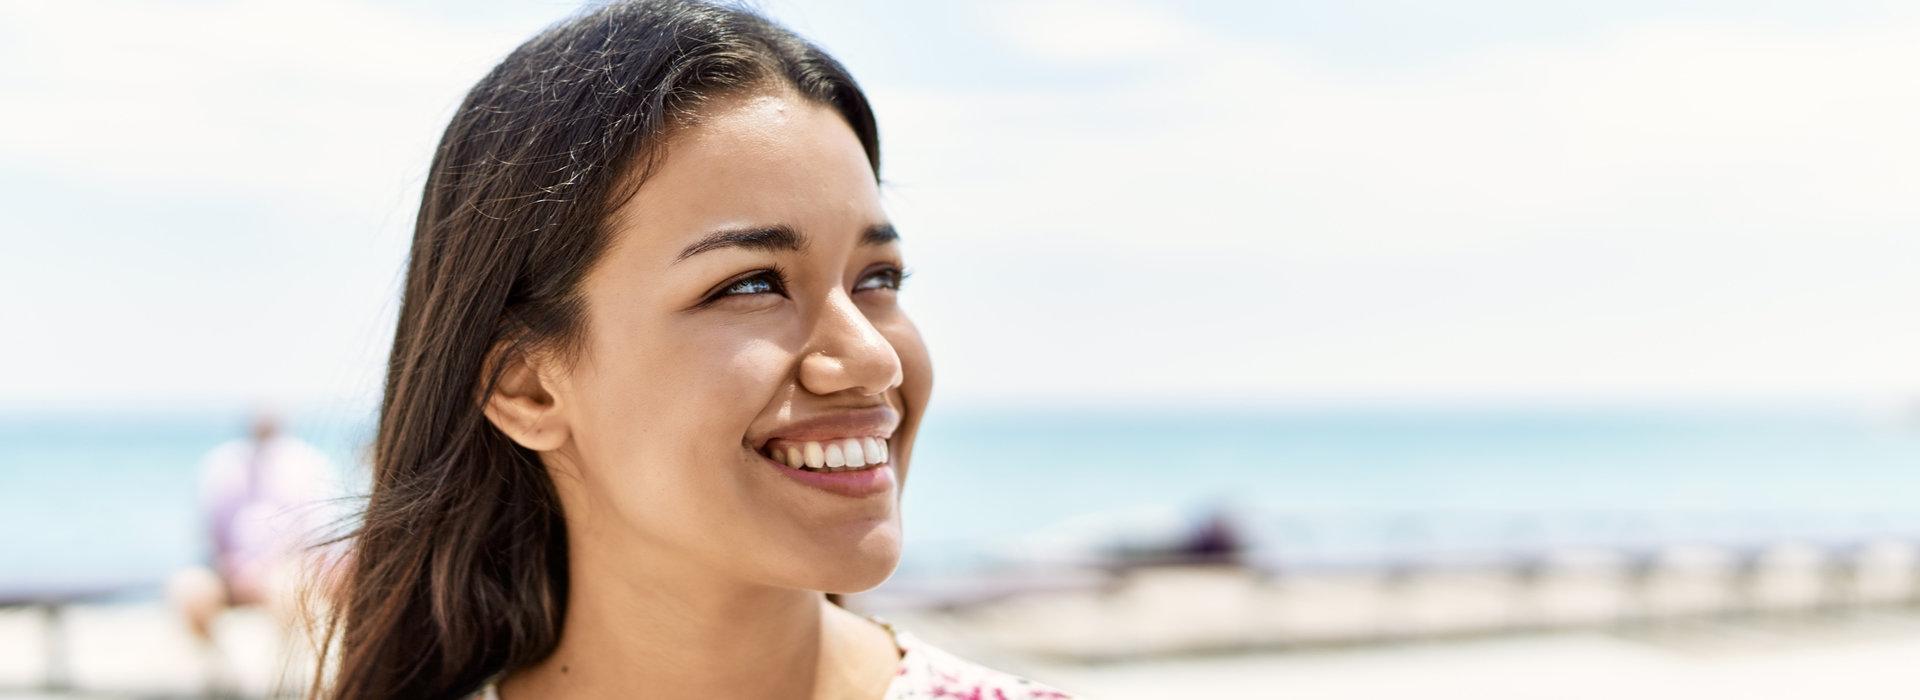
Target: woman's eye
[(755, 285), (889, 278), (767, 282)]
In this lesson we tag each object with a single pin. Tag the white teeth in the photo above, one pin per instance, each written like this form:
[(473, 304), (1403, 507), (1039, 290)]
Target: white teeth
[(842, 454)]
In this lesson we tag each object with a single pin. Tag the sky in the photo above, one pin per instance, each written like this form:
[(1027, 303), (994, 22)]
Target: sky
[(1379, 200)]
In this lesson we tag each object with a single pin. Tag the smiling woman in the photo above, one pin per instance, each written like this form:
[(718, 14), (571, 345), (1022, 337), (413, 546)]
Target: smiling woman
[(651, 394)]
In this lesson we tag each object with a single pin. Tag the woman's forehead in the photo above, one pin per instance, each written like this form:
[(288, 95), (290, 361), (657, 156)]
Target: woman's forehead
[(753, 161)]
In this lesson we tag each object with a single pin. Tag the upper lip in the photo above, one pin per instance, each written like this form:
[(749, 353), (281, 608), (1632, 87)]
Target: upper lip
[(877, 422)]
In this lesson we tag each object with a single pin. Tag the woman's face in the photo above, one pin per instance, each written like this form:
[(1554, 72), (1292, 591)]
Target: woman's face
[(747, 304)]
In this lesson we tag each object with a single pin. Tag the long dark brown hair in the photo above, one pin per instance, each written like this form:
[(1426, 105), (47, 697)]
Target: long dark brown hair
[(458, 571)]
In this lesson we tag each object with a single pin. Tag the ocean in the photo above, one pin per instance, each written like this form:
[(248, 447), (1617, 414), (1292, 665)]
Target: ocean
[(110, 497)]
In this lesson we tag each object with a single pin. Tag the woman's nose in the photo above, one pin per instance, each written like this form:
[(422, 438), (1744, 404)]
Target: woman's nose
[(847, 353)]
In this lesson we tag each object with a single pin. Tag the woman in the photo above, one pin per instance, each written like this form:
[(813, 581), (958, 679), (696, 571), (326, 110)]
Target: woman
[(651, 394)]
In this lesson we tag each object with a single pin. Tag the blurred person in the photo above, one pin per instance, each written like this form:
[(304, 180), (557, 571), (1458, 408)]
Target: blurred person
[(652, 396), (1216, 541), (259, 495)]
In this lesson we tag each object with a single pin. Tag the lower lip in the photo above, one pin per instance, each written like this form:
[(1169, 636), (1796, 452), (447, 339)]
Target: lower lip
[(858, 483)]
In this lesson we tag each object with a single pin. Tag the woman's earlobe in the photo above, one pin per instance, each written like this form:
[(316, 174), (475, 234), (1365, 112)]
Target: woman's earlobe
[(525, 406)]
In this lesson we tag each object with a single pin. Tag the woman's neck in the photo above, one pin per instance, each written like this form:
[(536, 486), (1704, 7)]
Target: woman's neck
[(666, 636)]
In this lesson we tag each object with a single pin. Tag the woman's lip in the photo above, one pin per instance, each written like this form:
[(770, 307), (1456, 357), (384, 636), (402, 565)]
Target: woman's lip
[(877, 422), (859, 483)]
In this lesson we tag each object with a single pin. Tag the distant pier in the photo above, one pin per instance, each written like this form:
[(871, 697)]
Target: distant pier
[(1107, 609)]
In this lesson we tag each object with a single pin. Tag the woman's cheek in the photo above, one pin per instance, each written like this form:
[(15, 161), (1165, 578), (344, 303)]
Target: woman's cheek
[(916, 383), (734, 361), (755, 370), (916, 366)]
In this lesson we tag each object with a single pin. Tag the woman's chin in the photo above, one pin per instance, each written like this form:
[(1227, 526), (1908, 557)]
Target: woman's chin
[(848, 582), (856, 568)]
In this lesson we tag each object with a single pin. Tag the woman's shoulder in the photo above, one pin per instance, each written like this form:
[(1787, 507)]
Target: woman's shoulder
[(929, 672)]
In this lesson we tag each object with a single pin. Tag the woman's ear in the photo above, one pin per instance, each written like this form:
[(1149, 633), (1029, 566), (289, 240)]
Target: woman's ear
[(525, 403)]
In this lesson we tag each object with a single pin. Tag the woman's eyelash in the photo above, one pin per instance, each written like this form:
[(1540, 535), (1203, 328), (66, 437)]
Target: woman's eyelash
[(894, 276), (772, 281)]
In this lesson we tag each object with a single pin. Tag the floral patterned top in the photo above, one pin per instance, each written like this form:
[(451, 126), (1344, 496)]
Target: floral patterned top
[(928, 673)]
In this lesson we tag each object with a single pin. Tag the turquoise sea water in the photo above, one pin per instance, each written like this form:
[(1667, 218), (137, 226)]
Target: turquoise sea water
[(112, 497)]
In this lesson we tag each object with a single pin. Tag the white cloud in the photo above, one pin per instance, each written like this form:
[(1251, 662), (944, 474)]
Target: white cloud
[(1671, 208), (233, 184), (1089, 32), (327, 102), (1675, 208)]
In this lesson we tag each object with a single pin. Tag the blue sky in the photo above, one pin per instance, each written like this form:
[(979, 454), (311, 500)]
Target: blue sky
[(1387, 199)]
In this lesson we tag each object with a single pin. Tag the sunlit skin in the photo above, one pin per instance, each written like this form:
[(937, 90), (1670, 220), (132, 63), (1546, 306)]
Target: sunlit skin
[(697, 569)]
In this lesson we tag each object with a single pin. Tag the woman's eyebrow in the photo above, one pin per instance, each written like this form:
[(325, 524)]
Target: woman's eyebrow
[(879, 234), (777, 238), (771, 238)]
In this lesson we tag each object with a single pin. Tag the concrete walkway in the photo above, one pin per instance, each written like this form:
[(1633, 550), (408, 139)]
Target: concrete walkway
[(137, 651)]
